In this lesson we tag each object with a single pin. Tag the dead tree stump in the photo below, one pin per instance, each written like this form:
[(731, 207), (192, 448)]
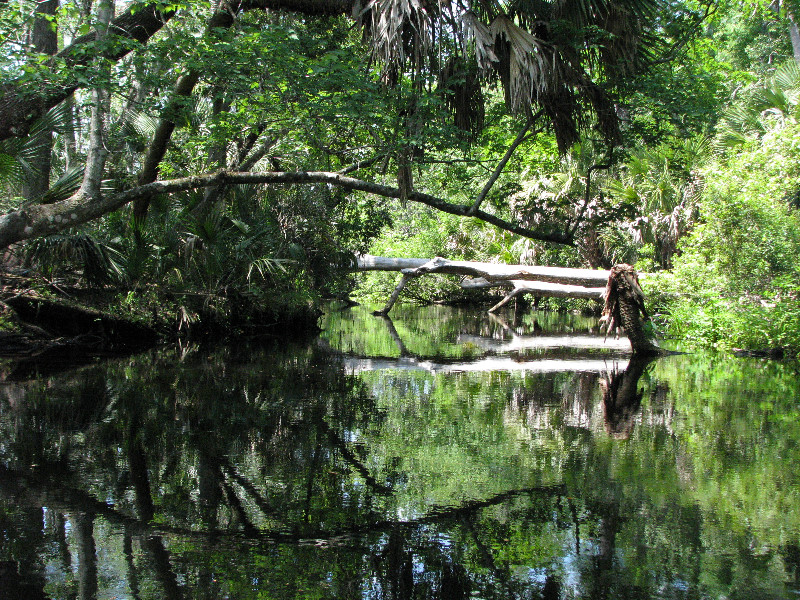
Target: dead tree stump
[(624, 307)]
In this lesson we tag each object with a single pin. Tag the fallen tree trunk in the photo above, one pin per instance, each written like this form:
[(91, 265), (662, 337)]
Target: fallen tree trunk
[(491, 272), (543, 289), (550, 282), (624, 300)]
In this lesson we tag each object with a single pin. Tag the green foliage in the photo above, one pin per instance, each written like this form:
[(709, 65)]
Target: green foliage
[(18, 154), (99, 263), (738, 271), (281, 92), (662, 185), (764, 107)]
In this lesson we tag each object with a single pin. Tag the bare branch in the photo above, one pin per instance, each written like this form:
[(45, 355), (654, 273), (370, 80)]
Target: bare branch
[(521, 136), (362, 164), (607, 165)]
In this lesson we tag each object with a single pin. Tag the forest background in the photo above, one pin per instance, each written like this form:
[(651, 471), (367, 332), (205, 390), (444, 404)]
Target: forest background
[(204, 166)]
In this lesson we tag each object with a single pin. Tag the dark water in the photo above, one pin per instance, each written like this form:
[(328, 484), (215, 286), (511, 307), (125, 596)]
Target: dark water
[(443, 454)]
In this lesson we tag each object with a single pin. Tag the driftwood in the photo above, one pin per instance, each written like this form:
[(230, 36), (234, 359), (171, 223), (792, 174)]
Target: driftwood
[(619, 288)]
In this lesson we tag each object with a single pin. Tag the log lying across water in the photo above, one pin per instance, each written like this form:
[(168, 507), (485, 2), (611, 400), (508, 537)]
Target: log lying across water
[(490, 272), (619, 288), (554, 282)]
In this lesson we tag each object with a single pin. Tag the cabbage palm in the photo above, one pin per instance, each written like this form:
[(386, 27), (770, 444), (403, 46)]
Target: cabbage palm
[(664, 185), (767, 105), (557, 57)]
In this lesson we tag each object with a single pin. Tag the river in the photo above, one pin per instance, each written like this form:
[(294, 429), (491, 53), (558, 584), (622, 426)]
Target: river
[(443, 454)]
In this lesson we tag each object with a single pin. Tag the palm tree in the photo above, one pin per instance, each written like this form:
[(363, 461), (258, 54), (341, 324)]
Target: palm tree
[(664, 184), (554, 59), (767, 105)]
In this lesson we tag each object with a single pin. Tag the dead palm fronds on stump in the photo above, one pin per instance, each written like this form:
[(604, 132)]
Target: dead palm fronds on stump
[(624, 307)]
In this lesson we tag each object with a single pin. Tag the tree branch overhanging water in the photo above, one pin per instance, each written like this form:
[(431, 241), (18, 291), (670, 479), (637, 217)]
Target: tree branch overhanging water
[(35, 220)]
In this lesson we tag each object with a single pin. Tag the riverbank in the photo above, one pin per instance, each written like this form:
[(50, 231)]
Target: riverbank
[(41, 318)]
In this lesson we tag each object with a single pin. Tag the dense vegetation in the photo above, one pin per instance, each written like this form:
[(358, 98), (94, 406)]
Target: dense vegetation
[(583, 133)]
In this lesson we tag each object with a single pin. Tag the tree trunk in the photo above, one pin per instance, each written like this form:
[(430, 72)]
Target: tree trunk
[(491, 272), (624, 299), (624, 308), (101, 100), (39, 219), (45, 41), (794, 35), (70, 146)]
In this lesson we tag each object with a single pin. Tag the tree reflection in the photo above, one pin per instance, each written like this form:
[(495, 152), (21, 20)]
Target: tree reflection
[(83, 529), (273, 472), (622, 397)]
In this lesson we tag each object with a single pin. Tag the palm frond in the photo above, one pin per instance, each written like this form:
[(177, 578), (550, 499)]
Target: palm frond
[(139, 125), (11, 172), (398, 30), (480, 36), (787, 76), (62, 188), (99, 262), (266, 266), (56, 119), (463, 95), (24, 151)]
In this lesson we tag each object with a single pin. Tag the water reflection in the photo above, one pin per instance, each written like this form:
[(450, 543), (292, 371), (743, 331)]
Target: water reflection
[(470, 458)]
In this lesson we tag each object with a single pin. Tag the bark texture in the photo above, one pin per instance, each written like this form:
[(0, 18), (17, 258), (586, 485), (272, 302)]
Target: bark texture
[(45, 41), (101, 104), (624, 307)]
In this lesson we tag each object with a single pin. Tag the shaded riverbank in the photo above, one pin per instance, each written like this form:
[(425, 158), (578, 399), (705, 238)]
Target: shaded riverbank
[(42, 321)]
